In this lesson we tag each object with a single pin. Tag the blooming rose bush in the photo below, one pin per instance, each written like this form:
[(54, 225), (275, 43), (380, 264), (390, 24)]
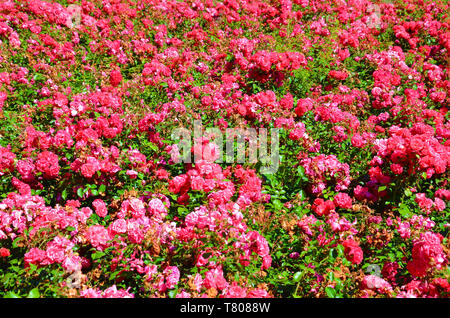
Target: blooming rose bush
[(96, 201)]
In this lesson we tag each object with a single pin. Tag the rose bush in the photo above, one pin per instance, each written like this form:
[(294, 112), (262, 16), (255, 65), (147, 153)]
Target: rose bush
[(92, 184)]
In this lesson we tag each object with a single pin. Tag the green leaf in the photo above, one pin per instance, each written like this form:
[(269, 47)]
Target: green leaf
[(404, 211), (16, 241), (80, 192), (153, 147), (97, 255), (297, 277), (206, 255), (340, 249), (34, 293), (382, 188), (11, 295), (331, 254), (172, 293), (330, 292), (182, 210), (102, 188), (64, 194), (330, 276)]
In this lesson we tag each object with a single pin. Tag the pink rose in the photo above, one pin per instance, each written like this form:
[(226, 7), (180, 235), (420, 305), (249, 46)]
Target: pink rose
[(214, 279), (258, 293), (115, 78), (6, 160), (72, 263), (118, 226), (343, 200), (303, 105), (376, 283), (396, 168), (339, 75), (172, 276), (100, 207), (178, 183), (90, 167), (55, 254), (98, 236), (137, 208), (4, 252), (427, 253), (157, 207), (47, 163), (35, 256), (358, 141), (236, 291), (322, 207)]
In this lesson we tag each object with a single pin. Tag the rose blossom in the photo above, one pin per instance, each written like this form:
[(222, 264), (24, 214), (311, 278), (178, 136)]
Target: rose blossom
[(352, 251), (100, 207)]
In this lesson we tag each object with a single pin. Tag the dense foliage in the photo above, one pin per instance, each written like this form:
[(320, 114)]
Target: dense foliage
[(94, 203)]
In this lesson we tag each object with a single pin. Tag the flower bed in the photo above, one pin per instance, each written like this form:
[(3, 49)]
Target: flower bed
[(96, 201)]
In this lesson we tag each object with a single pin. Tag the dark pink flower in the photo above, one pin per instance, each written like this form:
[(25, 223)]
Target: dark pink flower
[(48, 163), (339, 75), (4, 252), (303, 105), (352, 251), (427, 253), (6, 160), (343, 200), (115, 78)]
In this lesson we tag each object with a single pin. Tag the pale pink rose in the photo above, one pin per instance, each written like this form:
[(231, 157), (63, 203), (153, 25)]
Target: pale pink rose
[(98, 236), (72, 263), (172, 276), (132, 174), (183, 294), (118, 226), (157, 207), (137, 208), (55, 254), (214, 279), (374, 282)]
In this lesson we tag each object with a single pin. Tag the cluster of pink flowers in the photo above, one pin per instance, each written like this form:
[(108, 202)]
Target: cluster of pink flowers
[(417, 148), (92, 181), (6, 160), (110, 292), (325, 170), (427, 253), (376, 283)]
